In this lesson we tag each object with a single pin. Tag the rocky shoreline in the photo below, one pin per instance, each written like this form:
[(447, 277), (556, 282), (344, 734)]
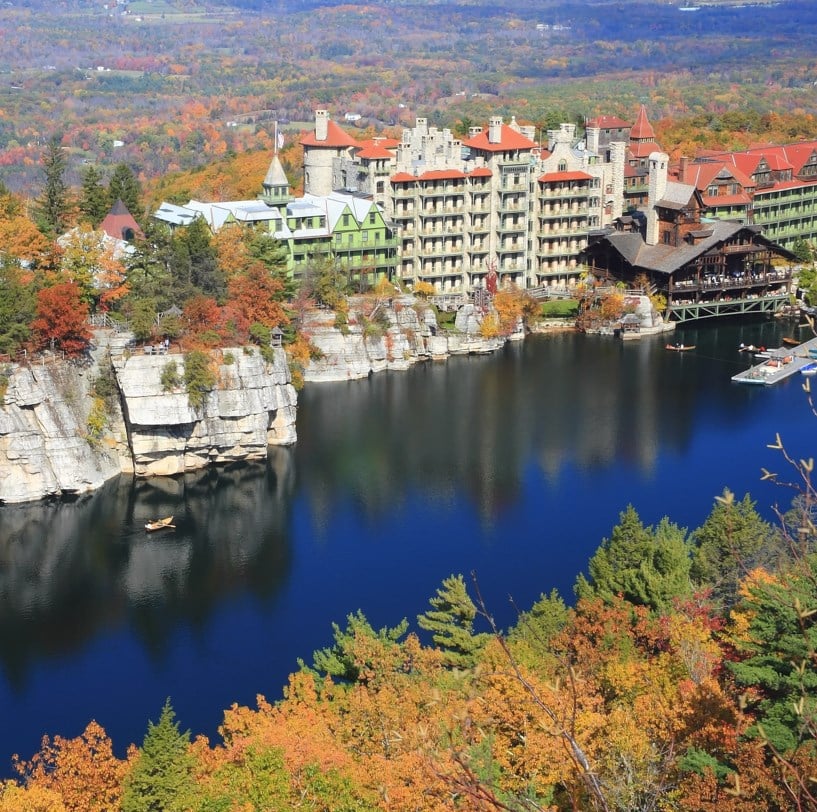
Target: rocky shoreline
[(53, 443)]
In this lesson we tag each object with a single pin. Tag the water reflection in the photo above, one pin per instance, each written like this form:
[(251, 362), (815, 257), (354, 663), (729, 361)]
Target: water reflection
[(476, 423), (70, 569)]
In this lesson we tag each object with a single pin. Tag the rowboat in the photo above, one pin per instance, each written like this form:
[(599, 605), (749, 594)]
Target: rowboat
[(160, 524), (809, 369), (792, 342), (680, 347)]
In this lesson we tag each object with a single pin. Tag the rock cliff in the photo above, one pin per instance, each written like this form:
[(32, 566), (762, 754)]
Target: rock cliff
[(388, 334), (54, 441)]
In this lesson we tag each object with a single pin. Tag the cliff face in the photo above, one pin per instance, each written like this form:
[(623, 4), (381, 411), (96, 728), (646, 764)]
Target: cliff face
[(253, 406), (389, 334), (44, 449), (48, 446)]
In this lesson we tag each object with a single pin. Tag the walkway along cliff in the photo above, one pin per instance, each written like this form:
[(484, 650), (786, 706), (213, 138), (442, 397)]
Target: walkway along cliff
[(66, 427)]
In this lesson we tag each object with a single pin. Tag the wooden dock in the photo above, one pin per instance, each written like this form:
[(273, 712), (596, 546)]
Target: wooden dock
[(777, 367)]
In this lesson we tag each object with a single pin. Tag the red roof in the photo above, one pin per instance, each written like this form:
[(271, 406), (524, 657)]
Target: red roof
[(402, 177), (555, 177), (642, 129), (380, 141), (119, 223), (442, 174), (509, 139), (374, 152), (336, 138), (726, 200), (480, 172), (702, 175), (643, 149), (607, 123)]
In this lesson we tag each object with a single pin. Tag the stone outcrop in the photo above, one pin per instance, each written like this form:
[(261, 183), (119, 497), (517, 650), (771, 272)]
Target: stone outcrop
[(389, 333), (48, 446), (252, 406), (44, 446)]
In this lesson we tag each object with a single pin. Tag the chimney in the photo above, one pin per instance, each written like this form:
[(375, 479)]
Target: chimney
[(592, 136), (495, 130), (321, 125), (658, 187), (682, 172)]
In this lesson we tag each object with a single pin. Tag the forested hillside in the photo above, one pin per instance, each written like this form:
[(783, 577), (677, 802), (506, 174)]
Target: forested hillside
[(164, 87)]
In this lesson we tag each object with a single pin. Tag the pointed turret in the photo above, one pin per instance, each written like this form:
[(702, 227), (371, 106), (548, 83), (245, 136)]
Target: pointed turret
[(642, 129), (276, 185)]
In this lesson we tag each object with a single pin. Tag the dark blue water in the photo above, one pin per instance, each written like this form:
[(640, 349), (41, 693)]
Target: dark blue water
[(512, 466)]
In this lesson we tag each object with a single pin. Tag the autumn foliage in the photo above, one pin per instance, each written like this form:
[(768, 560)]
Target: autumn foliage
[(62, 319)]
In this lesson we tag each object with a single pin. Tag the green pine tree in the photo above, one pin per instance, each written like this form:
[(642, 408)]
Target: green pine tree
[(51, 212), (646, 566), (451, 623), (93, 201), (733, 540), (124, 186), (779, 649), (162, 777)]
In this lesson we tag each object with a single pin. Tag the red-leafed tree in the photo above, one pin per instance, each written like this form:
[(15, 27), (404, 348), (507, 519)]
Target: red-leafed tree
[(61, 321)]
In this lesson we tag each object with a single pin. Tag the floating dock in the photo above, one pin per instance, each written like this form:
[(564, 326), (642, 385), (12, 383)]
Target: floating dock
[(782, 363)]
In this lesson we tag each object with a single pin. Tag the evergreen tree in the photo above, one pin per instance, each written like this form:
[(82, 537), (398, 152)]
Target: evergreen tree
[(205, 274), (779, 646), (52, 206), (646, 566), (93, 202), (733, 540), (17, 306), (339, 660), (124, 186), (451, 622), (162, 777), (273, 253)]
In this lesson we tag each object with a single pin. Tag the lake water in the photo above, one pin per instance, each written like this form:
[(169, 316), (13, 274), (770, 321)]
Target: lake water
[(512, 466)]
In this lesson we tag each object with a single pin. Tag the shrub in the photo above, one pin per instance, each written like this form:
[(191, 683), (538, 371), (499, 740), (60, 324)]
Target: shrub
[(4, 387), (199, 378), (228, 359), (97, 421), (260, 333), (424, 289), (104, 386), (170, 377)]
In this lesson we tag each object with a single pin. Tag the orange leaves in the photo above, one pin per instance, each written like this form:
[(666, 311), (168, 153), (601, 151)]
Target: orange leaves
[(61, 320), (82, 772)]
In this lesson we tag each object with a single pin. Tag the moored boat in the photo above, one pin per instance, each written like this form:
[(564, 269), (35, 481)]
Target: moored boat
[(680, 347), (792, 342), (809, 369), (160, 524)]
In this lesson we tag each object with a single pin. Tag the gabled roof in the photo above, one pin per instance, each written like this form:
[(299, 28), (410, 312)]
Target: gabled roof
[(509, 139), (175, 215), (336, 138), (642, 129), (607, 123), (402, 177), (480, 172), (669, 258), (714, 201), (701, 176), (380, 141), (676, 195), (555, 177)]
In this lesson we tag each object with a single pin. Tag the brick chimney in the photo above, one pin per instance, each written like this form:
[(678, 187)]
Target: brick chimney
[(682, 171)]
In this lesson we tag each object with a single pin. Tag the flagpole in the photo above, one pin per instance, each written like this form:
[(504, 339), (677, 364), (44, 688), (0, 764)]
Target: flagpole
[(276, 136)]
